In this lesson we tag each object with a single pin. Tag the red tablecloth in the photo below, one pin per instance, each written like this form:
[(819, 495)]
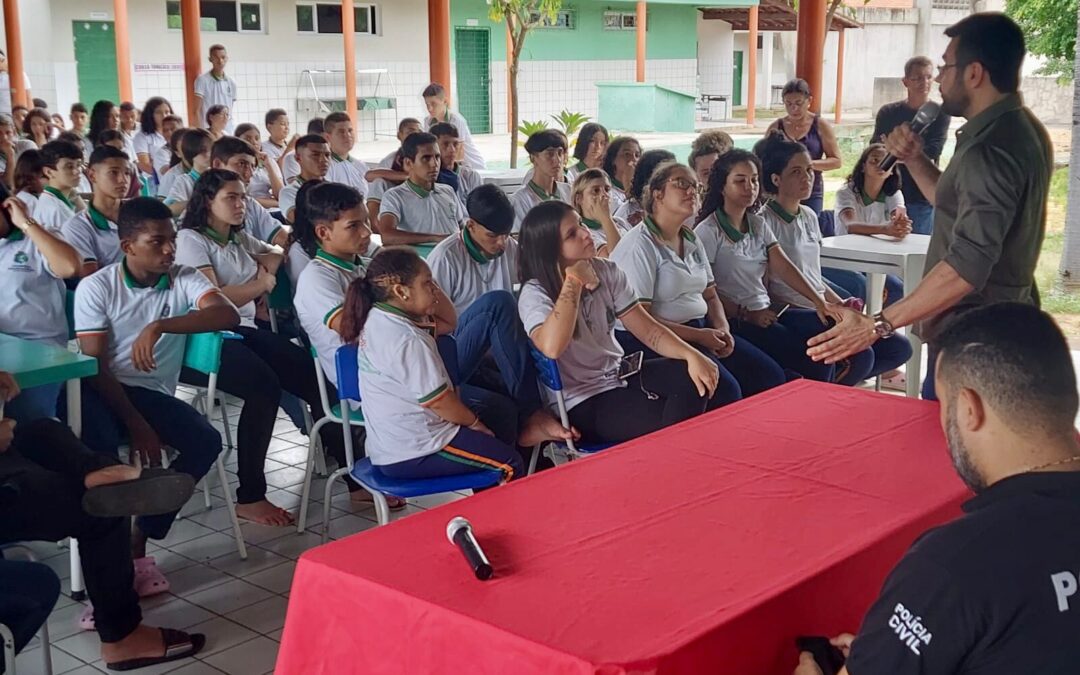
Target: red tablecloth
[(704, 548)]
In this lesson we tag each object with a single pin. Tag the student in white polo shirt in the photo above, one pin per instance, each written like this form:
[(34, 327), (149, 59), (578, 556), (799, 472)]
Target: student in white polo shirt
[(150, 137), (265, 183), (290, 163), (163, 156), (569, 303), (314, 157), (439, 111), (620, 161), (631, 210), (34, 263), (705, 150), (174, 168), (589, 150), (214, 87), (547, 152), (93, 232), (391, 170), (278, 143), (59, 200), (665, 263), (235, 155), (591, 197), (457, 175), (11, 149), (420, 210), (195, 149), (30, 178), (344, 168), (134, 316)]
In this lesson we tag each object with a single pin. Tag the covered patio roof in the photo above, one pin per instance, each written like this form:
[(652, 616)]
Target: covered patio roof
[(773, 15)]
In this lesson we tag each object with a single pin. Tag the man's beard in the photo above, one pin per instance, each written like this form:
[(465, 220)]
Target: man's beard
[(961, 458), (955, 102)]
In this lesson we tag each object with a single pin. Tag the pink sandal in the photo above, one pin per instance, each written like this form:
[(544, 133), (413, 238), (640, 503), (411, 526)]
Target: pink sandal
[(148, 578)]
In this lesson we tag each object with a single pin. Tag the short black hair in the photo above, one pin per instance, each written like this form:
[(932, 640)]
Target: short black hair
[(127, 106), (650, 159), (41, 103), (273, 114), (54, 151), (227, 147), (109, 135), (315, 125), (79, 107), (443, 129), (434, 89), (1016, 358), (136, 213), (547, 138), (309, 139), (215, 110), (103, 153), (993, 40), (412, 143), (796, 86), (489, 206), (242, 129), (336, 118), (406, 121)]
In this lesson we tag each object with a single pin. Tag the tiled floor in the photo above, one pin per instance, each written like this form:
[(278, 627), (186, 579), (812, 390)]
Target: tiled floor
[(239, 604)]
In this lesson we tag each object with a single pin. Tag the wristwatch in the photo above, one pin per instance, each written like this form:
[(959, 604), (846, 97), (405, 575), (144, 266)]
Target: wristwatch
[(882, 327)]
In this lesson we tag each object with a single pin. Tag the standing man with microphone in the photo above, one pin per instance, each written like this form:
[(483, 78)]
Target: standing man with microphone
[(990, 201)]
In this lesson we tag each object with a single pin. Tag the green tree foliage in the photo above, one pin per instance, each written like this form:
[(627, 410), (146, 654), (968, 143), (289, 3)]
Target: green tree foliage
[(1050, 30)]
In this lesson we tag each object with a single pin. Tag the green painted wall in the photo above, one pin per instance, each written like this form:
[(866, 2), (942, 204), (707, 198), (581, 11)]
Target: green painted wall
[(672, 33)]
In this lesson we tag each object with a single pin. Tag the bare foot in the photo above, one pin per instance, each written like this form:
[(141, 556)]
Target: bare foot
[(364, 497), (541, 426), (143, 642), (111, 474), (264, 513)]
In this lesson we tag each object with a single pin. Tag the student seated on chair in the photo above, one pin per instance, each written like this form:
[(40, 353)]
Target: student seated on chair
[(457, 175), (218, 119), (705, 150), (175, 166), (60, 200), (569, 303), (787, 168), (93, 232), (290, 161), (195, 149), (314, 157), (665, 263), (589, 149), (170, 124), (278, 142), (631, 210), (420, 210), (29, 178), (591, 197), (238, 156), (744, 255), (439, 111), (391, 170), (344, 168), (150, 137), (266, 182), (133, 317), (34, 262), (547, 152), (11, 148), (620, 160), (257, 368)]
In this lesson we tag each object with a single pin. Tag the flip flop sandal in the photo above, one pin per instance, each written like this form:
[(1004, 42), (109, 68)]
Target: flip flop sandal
[(395, 503), (148, 578), (86, 619), (178, 645), (154, 492)]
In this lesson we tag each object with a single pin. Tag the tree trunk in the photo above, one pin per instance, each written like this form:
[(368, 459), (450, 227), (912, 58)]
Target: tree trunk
[(1070, 257), (513, 110), (829, 17)]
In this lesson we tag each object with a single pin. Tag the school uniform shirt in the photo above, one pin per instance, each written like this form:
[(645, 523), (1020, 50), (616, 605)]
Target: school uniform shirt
[(32, 295), (149, 144), (465, 272), (590, 363), (422, 211), (29, 199), (401, 375), (739, 261), (212, 90), (53, 209), (993, 592), (468, 180), (472, 154), (596, 230), (320, 294), (287, 197), (272, 150), (630, 211), (161, 158), (618, 196), (110, 302), (673, 283), (530, 194), (94, 236), (232, 260), (349, 171), (870, 211), (168, 179), (575, 170), (182, 187), (258, 222), (290, 166), (259, 187), (800, 237)]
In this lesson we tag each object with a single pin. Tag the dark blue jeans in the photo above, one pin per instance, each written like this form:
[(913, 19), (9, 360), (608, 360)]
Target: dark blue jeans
[(28, 592), (34, 403), (816, 203), (855, 283), (176, 423), (890, 353), (467, 452), (929, 393), (922, 217), (491, 326)]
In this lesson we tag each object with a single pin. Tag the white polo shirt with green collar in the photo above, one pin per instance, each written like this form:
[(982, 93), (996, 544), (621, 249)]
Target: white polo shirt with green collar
[(739, 260), (110, 302), (319, 298), (869, 211), (423, 211), (800, 237), (287, 196), (53, 209), (349, 171), (596, 230), (232, 260), (94, 236), (530, 194), (465, 272), (31, 294), (258, 222), (183, 187)]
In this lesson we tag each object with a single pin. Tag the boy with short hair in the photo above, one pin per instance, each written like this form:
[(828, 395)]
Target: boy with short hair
[(290, 164), (63, 171), (439, 111), (129, 120), (340, 136), (93, 232), (278, 143), (79, 117), (456, 174), (314, 161), (134, 316), (161, 156), (390, 172), (420, 210), (237, 156)]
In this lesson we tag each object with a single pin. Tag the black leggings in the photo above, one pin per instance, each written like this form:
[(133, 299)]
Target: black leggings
[(628, 412)]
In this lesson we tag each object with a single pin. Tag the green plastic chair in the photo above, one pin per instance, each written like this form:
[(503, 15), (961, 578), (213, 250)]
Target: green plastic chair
[(280, 297)]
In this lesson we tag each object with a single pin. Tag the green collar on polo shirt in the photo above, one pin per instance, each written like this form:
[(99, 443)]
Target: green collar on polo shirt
[(338, 158), (475, 252), (194, 175), (161, 284), (59, 195), (298, 179), (211, 233), (684, 232), (340, 263), (730, 230), (867, 201), (390, 309), (581, 166), (15, 234), (542, 193), (618, 185), (591, 224), (419, 190), (98, 219), (785, 216), (219, 78)]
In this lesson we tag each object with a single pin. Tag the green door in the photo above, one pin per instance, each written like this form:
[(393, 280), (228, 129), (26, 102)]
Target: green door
[(736, 81), (472, 48), (95, 57)]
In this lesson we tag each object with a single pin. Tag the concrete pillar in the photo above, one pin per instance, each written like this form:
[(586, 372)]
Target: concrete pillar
[(439, 42), (810, 48), (348, 34), (751, 57), (189, 17), (123, 48)]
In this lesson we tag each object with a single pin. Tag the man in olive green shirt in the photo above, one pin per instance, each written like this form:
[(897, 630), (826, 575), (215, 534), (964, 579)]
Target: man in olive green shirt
[(990, 202)]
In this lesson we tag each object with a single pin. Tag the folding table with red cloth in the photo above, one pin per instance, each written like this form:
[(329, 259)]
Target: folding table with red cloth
[(703, 548)]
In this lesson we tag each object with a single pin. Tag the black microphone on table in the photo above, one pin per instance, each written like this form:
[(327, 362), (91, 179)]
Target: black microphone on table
[(925, 116), (459, 532)]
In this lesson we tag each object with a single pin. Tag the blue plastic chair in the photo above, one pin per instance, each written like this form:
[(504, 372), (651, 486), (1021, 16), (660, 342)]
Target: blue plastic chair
[(367, 474), (547, 370)]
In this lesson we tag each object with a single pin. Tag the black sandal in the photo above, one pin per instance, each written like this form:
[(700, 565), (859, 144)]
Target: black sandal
[(155, 491), (178, 645)]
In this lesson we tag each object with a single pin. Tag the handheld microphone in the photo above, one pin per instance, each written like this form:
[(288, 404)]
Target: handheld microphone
[(923, 119), (459, 532)]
